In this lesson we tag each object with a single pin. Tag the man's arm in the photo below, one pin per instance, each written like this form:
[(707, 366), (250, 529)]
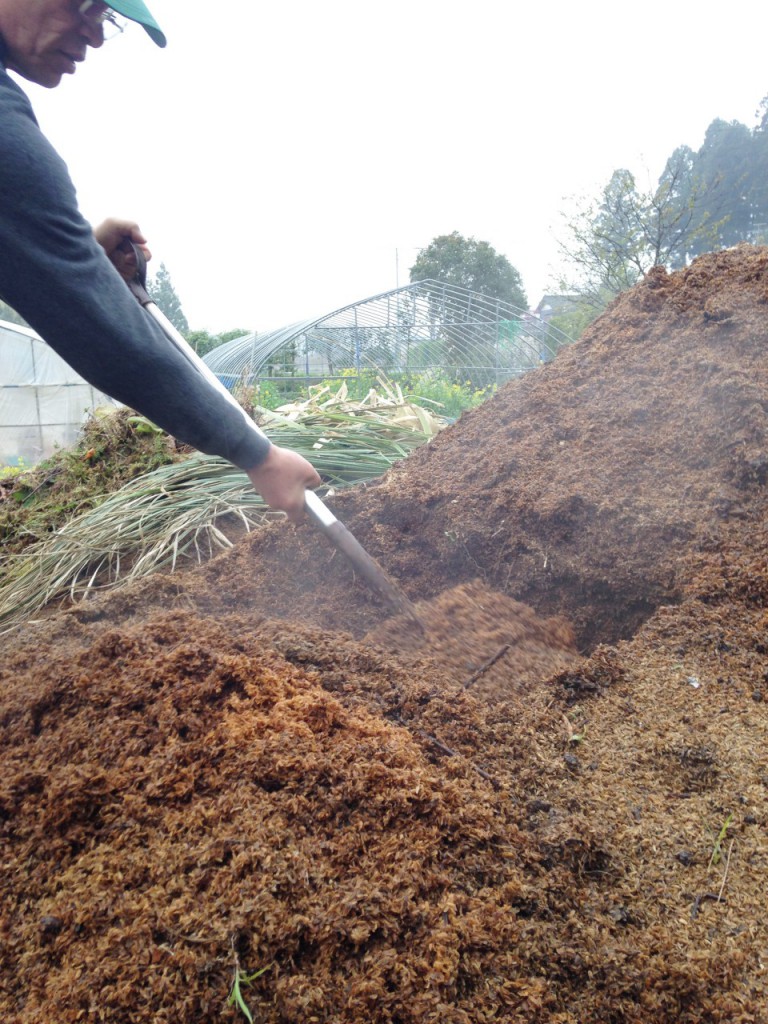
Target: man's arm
[(57, 276)]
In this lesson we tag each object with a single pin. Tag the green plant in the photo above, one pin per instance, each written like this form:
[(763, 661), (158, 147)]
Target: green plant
[(440, 391), (9, 472), (264, 394), (36, 501), (451, 397), (717, 850), (358, 383), (242, 978), (142, 425)]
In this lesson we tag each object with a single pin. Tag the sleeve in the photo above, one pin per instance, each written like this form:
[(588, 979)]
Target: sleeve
[(55, 275)]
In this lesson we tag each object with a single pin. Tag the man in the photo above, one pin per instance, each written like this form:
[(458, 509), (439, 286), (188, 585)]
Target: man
[(62, 277)]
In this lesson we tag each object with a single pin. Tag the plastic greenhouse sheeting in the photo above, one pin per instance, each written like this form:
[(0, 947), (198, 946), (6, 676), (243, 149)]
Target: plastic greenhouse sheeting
[(43, 402)]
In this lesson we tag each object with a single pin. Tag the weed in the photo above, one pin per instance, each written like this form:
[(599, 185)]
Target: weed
[(451, 396), (717, 849), (141, 425), (240, 979)]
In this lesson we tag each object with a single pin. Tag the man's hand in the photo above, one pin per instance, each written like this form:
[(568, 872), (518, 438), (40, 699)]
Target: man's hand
[(111, 235), (281, 480)]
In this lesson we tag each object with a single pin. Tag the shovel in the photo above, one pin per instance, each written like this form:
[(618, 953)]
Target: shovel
[(316, 509)]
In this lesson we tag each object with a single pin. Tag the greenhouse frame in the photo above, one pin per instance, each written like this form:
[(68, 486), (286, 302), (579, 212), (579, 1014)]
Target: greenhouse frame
[(424, 328)]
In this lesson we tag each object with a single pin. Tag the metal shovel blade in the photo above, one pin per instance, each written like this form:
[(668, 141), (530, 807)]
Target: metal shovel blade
[(352, 549)]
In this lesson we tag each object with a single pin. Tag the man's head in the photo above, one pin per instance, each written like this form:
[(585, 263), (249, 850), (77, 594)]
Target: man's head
[(46, 39)]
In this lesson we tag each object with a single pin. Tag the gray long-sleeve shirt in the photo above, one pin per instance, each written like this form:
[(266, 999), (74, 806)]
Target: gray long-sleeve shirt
[(55, 275)]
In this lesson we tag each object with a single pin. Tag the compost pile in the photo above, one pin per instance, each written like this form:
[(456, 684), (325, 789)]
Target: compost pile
[(549, 807)]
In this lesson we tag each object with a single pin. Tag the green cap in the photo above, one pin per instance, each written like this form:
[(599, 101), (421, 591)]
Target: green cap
[(136, 10)]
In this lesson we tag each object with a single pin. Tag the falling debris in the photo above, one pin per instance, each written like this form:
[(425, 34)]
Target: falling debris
[(483, 639)]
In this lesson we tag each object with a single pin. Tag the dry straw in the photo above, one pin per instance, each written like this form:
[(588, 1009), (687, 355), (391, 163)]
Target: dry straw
[(181, 511)]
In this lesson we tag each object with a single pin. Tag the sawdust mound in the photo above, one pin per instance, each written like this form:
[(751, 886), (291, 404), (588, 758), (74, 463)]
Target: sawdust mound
[(203, 771), (584, 486), (180, 797)]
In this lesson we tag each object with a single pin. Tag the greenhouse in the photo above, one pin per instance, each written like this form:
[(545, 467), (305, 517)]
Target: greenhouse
[(423, 328), (43, 402)]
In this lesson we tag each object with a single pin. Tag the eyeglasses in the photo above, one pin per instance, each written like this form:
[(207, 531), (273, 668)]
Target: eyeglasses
[(97, 16)]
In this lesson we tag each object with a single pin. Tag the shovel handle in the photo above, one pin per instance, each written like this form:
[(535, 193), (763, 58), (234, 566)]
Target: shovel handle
[(138, 283)]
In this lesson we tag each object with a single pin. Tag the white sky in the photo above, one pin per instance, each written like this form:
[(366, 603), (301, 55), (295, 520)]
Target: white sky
[(285, 159)]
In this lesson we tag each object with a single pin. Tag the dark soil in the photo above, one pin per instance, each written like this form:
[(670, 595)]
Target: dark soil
[(550, 807)]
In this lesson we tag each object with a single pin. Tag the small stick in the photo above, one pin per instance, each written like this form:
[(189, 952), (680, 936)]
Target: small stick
[(194, 939), (725, 872), (485, 666), (436, 742), (452, 753), (700, 899)]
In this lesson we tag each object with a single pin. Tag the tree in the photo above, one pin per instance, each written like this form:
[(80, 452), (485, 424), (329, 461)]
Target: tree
[(760, 180), (165, 298), (614, 242), (726, 168), (467, 263), (678, 186), (603, 246), (204, 342), (468, 344)]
